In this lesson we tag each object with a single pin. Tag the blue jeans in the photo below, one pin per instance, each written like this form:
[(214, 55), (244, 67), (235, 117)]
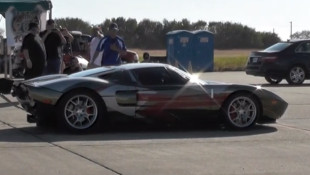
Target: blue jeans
[(53, 66)]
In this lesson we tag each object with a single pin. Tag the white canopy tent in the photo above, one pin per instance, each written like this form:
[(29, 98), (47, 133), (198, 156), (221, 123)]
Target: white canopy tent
[(18, 14)]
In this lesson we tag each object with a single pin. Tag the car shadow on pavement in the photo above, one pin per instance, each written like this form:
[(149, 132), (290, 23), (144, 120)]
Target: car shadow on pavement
[(282, 85), (5, 105), (129, 132)]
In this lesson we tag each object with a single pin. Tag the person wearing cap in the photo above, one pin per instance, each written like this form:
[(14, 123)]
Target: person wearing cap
[(146, 57), (34, 52), (112, 47), (53, 41), (97, 36)]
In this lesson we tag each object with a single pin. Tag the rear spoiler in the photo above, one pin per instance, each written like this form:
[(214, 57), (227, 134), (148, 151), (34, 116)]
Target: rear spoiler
[(5, 86)]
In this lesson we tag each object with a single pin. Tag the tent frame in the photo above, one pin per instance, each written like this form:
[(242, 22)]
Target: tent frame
[(20, 5)]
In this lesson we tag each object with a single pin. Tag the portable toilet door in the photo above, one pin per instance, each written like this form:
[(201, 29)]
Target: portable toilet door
[(203, 51), (179, 50)]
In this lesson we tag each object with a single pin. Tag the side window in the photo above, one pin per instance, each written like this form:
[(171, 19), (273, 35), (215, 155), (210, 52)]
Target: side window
[(118, 77), (156, 76), (303, 48), (176, 78)]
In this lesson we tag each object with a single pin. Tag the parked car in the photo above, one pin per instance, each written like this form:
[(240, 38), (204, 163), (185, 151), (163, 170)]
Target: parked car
[(80, 44), (285, 60), (144, 91)]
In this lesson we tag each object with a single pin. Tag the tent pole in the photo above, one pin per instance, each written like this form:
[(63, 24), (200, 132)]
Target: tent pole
[(10, 64), (5, 66), (50, 14)]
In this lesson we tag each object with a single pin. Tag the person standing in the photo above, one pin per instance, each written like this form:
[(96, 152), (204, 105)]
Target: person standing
[(146, 57), (53, 41), (34, 52), (112, 47), (66, 49), (69, 38), (97, 36)]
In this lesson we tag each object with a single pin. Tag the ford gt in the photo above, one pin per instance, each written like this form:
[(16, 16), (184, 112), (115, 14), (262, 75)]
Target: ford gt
[(146, 91)]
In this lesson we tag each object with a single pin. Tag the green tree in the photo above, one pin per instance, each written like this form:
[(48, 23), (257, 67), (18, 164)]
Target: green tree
[(185, 24), (199, 25), (130, 35), (74, 24), (105, 25), (149, 34), (233, 35), (305, 34), (269, 39)]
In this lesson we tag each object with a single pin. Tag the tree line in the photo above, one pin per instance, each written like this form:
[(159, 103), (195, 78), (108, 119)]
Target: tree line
[(305, 34), (148, 34)]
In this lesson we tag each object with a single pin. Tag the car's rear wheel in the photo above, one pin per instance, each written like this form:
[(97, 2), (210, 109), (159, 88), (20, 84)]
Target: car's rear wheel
[(296, 75), (241, 110), (273, 80), (80, 111)]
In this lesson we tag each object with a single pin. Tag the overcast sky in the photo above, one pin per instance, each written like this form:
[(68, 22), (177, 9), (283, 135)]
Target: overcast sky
[(262, 15)]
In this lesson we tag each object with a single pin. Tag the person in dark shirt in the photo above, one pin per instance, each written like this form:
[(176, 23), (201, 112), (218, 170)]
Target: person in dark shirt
[(112, 46), (34, 52), (53, 41), (146, 57)]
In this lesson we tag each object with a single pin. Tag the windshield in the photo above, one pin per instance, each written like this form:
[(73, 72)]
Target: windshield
[(183, 74), (277, 47), (90, 72)]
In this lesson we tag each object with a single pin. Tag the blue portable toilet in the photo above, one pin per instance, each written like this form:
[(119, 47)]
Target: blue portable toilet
[(193, 51), (179, 49), (203, 51)]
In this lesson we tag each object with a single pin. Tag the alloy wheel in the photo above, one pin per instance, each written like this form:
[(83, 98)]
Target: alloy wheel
[(242, 112), (81, 112), (297, 75)]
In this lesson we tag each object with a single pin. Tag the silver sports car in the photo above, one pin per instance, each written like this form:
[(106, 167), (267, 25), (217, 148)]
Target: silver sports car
[(148, 91)]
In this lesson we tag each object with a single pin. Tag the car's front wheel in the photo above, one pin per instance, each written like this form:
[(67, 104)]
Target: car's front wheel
[(241, 110), (296, 75), (80, 111), (273, 80)]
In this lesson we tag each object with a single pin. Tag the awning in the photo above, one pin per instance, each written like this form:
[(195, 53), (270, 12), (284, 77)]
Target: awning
[(24, 5)]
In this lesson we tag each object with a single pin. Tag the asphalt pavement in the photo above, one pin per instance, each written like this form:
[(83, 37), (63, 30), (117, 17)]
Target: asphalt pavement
[(282, 148)]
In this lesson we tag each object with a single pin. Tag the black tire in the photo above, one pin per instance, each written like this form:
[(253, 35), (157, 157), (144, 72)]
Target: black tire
[(296, 75), (80, 111), (273, 80), (241, 110), (42, 121), (45, 117)]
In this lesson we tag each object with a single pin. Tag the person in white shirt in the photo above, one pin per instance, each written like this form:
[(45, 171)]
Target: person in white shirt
[(97, 36)]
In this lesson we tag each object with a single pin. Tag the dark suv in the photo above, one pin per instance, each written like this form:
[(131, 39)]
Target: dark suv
[(285, 60)]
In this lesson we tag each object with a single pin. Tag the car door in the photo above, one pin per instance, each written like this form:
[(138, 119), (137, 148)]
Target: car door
[(162, 92), (303, 54), (120, 97)]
